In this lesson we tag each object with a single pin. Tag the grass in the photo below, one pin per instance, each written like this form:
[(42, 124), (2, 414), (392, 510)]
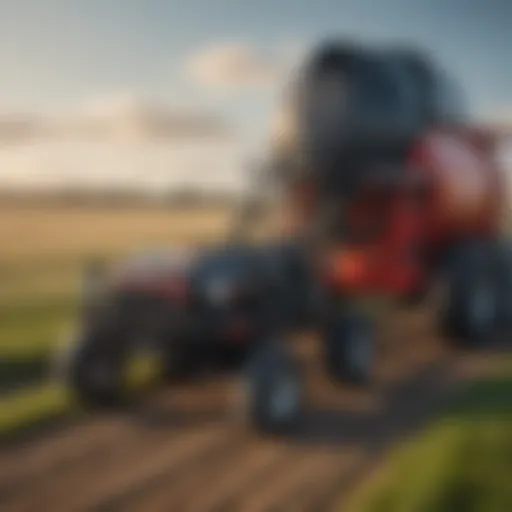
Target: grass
[(462, 463), (32, 407), (23, 410)]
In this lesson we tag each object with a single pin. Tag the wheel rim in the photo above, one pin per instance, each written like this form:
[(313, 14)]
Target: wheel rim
[(284, 398)]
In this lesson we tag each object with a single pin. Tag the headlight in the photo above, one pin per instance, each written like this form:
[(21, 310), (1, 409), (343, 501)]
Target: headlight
[(219, 291)]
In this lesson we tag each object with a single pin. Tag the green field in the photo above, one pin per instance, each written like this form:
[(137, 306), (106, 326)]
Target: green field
[(461, 463), (43, 250)]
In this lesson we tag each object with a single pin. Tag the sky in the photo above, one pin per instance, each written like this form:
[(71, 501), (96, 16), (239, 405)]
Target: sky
[(226, 58)]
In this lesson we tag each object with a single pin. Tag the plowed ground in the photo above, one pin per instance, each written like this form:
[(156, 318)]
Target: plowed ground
[(183, 450)]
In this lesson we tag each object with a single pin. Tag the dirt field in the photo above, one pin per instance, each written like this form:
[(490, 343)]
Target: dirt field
[(183, 450)]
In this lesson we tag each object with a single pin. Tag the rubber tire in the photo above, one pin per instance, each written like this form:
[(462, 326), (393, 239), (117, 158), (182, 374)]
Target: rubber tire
[(503, 269), (341, 333), (85, 350), (269, 366), (470, 270)]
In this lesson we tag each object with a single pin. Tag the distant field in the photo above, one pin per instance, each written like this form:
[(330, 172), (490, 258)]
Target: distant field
[(38, 236)]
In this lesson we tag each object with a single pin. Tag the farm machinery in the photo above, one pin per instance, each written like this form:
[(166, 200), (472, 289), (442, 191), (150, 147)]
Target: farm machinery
[(388, 190), (224, 307), (402, 192)]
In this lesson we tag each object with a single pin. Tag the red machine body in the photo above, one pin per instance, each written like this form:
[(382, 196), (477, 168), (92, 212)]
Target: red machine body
[(451, 190), (388, 133)]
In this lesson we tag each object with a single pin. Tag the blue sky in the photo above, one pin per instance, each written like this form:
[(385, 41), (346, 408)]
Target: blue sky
[(57, 56), (56, 52)]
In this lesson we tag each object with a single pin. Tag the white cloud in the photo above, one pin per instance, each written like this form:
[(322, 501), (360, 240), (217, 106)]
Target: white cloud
[(18, 127), (119, 141), (231, 65), (497, 118), (238, 65), (120, 116), (96, 165), (500, 122)]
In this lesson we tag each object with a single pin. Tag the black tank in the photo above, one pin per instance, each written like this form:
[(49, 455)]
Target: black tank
[(354, 110)]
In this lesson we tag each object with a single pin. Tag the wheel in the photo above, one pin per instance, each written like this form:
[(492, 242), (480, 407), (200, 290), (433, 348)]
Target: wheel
[(503, 273), (273, 394), (93, 369), (349, 345), (470, 306)]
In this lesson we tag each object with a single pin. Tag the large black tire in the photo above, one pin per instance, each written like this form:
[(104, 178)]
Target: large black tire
[(470, 306), (273, 394), (349, 347), (93, 369), (503, 273)]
